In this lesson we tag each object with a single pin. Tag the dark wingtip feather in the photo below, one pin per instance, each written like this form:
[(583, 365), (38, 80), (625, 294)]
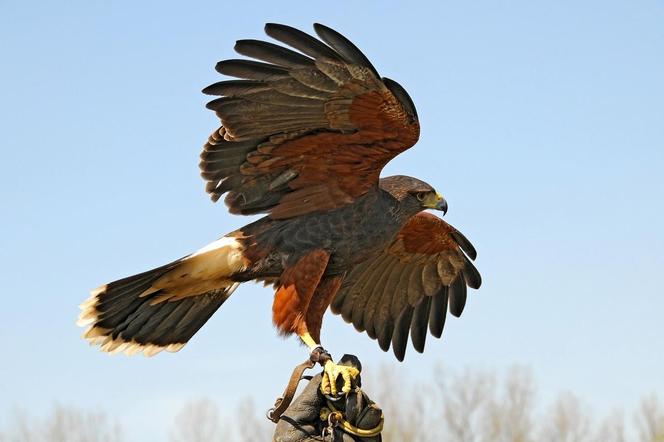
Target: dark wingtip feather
[(465, 245), (300, 40), (458, 295), (337, 303), (400, 335), (344, 47), (384, 335), (272, 53), (401, 95), (438, 312), (472, 275), (418, 326), (234, 87), (214, 104), (249, 69)]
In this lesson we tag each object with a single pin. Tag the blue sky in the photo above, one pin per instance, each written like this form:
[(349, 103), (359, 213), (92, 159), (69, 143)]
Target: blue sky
[(542, 125)]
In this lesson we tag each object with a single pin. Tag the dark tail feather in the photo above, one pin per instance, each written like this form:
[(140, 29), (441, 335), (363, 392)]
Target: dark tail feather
[(121, 320)]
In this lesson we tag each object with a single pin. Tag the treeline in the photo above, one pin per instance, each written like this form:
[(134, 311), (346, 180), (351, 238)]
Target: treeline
[(477, 406), (471, 406)]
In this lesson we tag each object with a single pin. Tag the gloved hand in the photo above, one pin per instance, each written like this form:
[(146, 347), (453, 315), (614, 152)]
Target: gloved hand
[(308, 418)]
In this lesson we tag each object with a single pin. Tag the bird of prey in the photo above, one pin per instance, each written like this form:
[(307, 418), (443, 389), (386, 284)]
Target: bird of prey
[(304, 135)]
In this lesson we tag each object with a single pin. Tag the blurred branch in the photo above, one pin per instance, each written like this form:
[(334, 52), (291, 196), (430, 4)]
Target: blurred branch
[(64, 424), (402, 404), (250, 425), (612, 429), (198, 421), (510, 414), (650, 420), (567, 422), (464, 397)]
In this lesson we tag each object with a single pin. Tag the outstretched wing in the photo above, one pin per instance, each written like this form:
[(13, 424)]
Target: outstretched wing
[(302, 131), (410, 286)]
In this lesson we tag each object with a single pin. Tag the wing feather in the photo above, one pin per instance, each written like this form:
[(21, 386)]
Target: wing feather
[(318, 112), (348, 296), (365, 311), (408, 288), (438, 312), (384, 321), (458, 296), (271, 53), (363, 291), (401, 289), (301, 41), (377, 314), (401, 330), (418, 325), (250, 70), (343, 46)]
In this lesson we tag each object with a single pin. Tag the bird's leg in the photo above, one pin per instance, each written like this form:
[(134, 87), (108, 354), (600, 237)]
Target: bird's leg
[(318, 353), (331, 371)]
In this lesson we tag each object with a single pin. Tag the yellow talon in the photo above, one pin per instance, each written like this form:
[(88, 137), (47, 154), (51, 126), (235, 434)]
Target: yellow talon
[(331, 372)]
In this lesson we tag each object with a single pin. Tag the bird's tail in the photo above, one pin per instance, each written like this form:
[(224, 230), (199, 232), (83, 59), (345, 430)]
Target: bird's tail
[(161, 309)]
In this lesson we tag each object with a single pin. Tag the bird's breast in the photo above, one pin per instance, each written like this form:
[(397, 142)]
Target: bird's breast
[(350, 235)]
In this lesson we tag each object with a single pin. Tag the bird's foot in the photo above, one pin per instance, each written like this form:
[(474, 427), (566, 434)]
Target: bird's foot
[(348, 369), (331, 374)]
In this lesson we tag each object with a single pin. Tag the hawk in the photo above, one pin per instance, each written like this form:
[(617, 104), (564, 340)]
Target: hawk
[(304, 135)]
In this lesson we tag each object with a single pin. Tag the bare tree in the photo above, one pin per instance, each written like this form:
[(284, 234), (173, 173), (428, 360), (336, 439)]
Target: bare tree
[(464, 407), (251, 426), (471, 406), (403, 406), (567, 421), (612, 429), (64, 424), (20, 429), (464, 398), (650, 420), (199, 421), (509, 412)]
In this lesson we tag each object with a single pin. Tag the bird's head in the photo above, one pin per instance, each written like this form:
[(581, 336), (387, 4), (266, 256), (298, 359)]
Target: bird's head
[(413, 195)]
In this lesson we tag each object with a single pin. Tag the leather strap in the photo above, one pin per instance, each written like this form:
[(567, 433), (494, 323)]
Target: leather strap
[(282, 403)]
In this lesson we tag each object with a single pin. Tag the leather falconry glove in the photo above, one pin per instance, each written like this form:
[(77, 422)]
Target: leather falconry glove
[(348, 417)]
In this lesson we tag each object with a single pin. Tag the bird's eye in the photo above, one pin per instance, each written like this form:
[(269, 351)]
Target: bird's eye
[(421, 195)]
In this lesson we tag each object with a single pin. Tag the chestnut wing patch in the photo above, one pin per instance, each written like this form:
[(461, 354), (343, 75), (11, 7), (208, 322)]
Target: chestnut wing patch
[(303, 130), (409, 287)]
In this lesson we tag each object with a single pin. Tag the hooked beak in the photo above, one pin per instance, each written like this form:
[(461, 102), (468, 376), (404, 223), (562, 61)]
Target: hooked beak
[(441, 205), (437, 202)]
